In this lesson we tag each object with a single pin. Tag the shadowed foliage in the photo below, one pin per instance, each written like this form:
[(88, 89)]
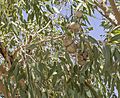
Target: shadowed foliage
[(46, 50)]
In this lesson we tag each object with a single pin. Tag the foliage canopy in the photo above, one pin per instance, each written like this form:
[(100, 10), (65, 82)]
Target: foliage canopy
[(47, 52)]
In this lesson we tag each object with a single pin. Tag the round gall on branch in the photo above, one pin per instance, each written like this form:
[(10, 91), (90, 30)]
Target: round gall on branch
[(74, 27), (69, 44), (82, 57), (71, 48), (78, 14), (67, 41)]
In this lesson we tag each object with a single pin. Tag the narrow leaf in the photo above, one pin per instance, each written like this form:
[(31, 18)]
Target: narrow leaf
[(92, 40)]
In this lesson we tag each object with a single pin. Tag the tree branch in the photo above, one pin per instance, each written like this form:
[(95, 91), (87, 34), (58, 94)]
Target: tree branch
[(5, 54), (4, 73), (42, 41), (115, 10), (117, 27), (106, 12), (107, 17)]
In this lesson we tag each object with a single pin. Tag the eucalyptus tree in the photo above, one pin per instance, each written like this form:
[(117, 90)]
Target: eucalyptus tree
[(46, 50)]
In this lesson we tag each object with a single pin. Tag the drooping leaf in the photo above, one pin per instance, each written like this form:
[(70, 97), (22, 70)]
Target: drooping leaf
[(107, 56), (50, 9), (56, 10), (116, 54), (92, 40), (67, 56), (115, 38)]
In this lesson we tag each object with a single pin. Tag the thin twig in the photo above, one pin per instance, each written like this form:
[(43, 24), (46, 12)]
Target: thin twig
[(43, 27), (19, 48), (49, 39), (42, 41)]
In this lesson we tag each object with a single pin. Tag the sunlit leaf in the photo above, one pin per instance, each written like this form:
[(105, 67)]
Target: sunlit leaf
[(56, 10), (115, 38), (40, 66)]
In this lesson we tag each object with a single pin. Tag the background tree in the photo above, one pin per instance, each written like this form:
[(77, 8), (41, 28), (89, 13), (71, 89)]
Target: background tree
[(48, 54)]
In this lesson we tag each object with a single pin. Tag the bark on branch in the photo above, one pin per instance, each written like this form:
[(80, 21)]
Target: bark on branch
[(5, 54), (42, 41), (105, 12), (115, 10)]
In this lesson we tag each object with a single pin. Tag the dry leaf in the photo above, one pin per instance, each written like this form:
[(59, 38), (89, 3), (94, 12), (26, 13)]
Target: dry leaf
[(67, 41), (78, 14), (74, 27), (82, 57), (71, 48)]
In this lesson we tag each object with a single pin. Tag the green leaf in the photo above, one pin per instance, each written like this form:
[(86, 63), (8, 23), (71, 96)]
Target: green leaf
[(54, 80), (50, 9), (92, 40), (21, 76), (53, 1), (115, 32), (63, 59), (79, 6), (95, 51), (89, 94), (76, 69), (41, 66), (12, 68), (23, 93), (68, 58), (56, 10), (90, 28), (116, 54), (16, 71), (115, 38), (15, 29), (86, 19), (107, 56), (31, 47), (86, 66), (51, 71), (118, 87), (88, 9)]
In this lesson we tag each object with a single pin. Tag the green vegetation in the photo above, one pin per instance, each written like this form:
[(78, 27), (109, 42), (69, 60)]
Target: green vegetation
[(45, 53)]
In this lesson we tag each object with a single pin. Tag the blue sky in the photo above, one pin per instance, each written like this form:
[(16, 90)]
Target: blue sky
[(97, 29)]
